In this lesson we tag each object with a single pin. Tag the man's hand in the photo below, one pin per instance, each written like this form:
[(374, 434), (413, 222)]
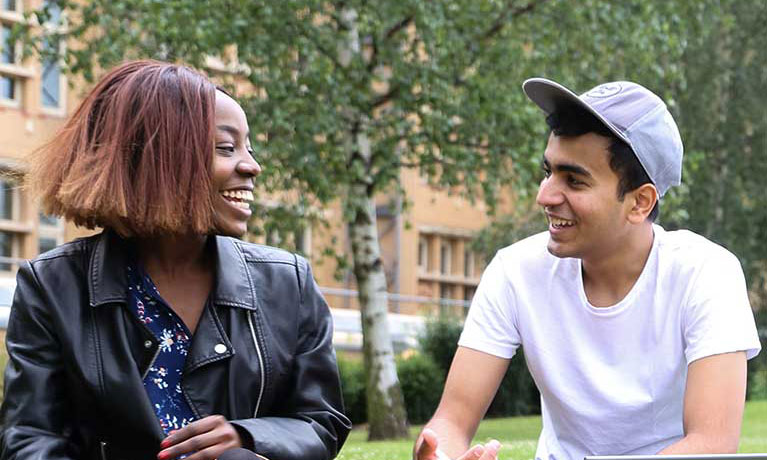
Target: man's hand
[(426, 448), (204, 439)]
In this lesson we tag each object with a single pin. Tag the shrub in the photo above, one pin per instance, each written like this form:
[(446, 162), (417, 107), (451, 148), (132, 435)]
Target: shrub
[(422, 382), (439, 340), (517, 393), (353, 389), (757, 367)]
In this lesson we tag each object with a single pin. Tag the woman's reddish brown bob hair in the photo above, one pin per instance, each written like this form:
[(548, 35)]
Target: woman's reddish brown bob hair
[(136, 156)]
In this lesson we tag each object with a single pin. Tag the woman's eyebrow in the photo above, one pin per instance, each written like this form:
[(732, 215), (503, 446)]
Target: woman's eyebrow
[(231, 130)]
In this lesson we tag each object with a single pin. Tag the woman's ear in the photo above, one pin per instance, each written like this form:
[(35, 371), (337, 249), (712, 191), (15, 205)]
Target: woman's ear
[(643, 201)]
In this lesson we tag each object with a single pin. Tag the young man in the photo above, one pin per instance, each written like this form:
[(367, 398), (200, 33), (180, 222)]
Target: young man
[(637, 338)]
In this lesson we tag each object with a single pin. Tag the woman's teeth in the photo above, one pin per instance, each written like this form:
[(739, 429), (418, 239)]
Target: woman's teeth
[(239, 198), (560, 223)]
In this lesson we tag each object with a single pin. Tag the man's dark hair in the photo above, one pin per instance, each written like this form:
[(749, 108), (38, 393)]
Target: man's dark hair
[(573, 120)]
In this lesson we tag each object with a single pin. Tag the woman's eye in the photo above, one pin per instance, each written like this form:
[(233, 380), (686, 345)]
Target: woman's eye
[(546, 172), (225, 149)]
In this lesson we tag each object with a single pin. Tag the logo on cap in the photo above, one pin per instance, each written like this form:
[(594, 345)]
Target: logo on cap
[(604, 90)]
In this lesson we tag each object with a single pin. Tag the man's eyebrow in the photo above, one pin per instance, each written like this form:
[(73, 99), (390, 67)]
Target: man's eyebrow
[(567, 167)]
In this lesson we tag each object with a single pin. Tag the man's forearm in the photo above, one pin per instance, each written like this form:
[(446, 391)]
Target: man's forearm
[(698, 443)]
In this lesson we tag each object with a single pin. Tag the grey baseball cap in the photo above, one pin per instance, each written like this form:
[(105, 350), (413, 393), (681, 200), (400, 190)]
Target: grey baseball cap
[(633, 113)]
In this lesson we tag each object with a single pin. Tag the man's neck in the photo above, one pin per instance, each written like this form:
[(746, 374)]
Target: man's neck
[(608, 279)]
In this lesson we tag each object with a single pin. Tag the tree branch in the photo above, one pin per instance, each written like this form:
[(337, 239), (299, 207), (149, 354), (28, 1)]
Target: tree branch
[(398, 26), (496, 27), (500, 21)]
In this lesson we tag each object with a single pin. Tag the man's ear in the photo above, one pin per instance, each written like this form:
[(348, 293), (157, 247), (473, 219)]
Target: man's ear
[(642, 202)]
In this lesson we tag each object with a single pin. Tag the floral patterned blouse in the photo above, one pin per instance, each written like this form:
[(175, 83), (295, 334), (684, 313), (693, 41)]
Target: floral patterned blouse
[(163, 380)]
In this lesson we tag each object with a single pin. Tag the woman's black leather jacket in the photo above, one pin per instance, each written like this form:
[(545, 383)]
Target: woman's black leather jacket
[(73, 384)]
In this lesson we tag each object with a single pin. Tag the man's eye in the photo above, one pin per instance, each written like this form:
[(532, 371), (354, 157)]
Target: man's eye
[(546, 172), (573, 181)]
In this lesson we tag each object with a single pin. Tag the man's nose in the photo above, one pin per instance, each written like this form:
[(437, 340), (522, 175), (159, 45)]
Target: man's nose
[(549, 193)]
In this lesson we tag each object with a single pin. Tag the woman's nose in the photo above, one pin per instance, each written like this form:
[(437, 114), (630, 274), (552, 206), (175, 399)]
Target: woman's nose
[(249, 167)]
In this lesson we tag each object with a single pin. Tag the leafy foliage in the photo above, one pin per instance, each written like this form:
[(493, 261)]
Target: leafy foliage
[(422, 382), (517, 393)]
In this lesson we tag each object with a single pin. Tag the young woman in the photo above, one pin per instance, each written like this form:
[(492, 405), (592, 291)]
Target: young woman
[(164, 337)]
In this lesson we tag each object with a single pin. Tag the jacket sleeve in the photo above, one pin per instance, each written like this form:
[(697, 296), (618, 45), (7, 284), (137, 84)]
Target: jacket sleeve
[(316, 427), (34, 410)]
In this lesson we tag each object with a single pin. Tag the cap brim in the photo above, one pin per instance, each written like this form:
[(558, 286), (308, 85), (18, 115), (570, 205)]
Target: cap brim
[(550, 96)]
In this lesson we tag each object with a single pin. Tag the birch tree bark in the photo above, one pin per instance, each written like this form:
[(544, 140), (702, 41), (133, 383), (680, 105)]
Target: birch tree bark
[(387, 418)]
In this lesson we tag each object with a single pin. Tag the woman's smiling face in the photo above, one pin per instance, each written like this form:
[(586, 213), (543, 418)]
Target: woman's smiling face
[(234, 168)]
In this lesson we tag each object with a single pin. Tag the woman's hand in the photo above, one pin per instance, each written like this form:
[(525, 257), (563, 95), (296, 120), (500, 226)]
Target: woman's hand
[(204, 439)]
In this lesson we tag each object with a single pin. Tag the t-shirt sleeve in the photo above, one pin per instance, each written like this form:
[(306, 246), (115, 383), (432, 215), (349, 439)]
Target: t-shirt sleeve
[(718, 317), (490, 326)]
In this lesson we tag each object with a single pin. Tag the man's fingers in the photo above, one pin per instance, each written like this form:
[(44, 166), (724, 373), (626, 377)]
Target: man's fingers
[(491, 450), (426, 446), (473, 454)]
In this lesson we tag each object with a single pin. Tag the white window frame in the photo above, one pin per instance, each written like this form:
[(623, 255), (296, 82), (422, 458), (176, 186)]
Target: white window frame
[(17, 13)]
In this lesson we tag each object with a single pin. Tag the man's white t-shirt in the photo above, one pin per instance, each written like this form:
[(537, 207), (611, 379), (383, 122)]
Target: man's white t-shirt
[(612, 379)]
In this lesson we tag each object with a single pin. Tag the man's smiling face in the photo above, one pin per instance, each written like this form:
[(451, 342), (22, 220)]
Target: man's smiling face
[(579, 196)]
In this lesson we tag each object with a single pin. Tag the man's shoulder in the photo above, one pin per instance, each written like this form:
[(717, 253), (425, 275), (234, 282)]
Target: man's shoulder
[(686, 246), (528, 254)]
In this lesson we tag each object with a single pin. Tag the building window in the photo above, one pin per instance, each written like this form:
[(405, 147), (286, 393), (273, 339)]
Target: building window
[(8, 88), (10, 83), (468, 264), (50, 233), (445, 256), (7, 51), (51, 84), (54, 12), (7, 199), (10, 206), (10, 5), (6, 251), (445, 291), (423, 254)]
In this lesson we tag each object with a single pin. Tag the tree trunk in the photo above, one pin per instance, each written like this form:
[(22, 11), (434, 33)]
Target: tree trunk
[(387, 418)]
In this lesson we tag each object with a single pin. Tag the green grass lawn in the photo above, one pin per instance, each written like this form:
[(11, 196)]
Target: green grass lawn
[(520, 434)]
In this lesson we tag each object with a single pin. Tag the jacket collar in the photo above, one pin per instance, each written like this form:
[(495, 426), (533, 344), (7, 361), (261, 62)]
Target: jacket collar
[(107, 282)]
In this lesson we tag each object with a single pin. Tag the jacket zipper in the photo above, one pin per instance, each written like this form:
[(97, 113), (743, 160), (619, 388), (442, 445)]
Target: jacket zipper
[(260, 363), (103, 449), (151, 363)]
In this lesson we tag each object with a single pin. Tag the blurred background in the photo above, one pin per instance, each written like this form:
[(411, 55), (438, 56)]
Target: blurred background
[(405, 121)]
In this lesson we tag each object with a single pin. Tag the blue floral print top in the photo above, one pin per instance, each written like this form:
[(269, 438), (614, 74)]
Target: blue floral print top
[(163, 380)]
